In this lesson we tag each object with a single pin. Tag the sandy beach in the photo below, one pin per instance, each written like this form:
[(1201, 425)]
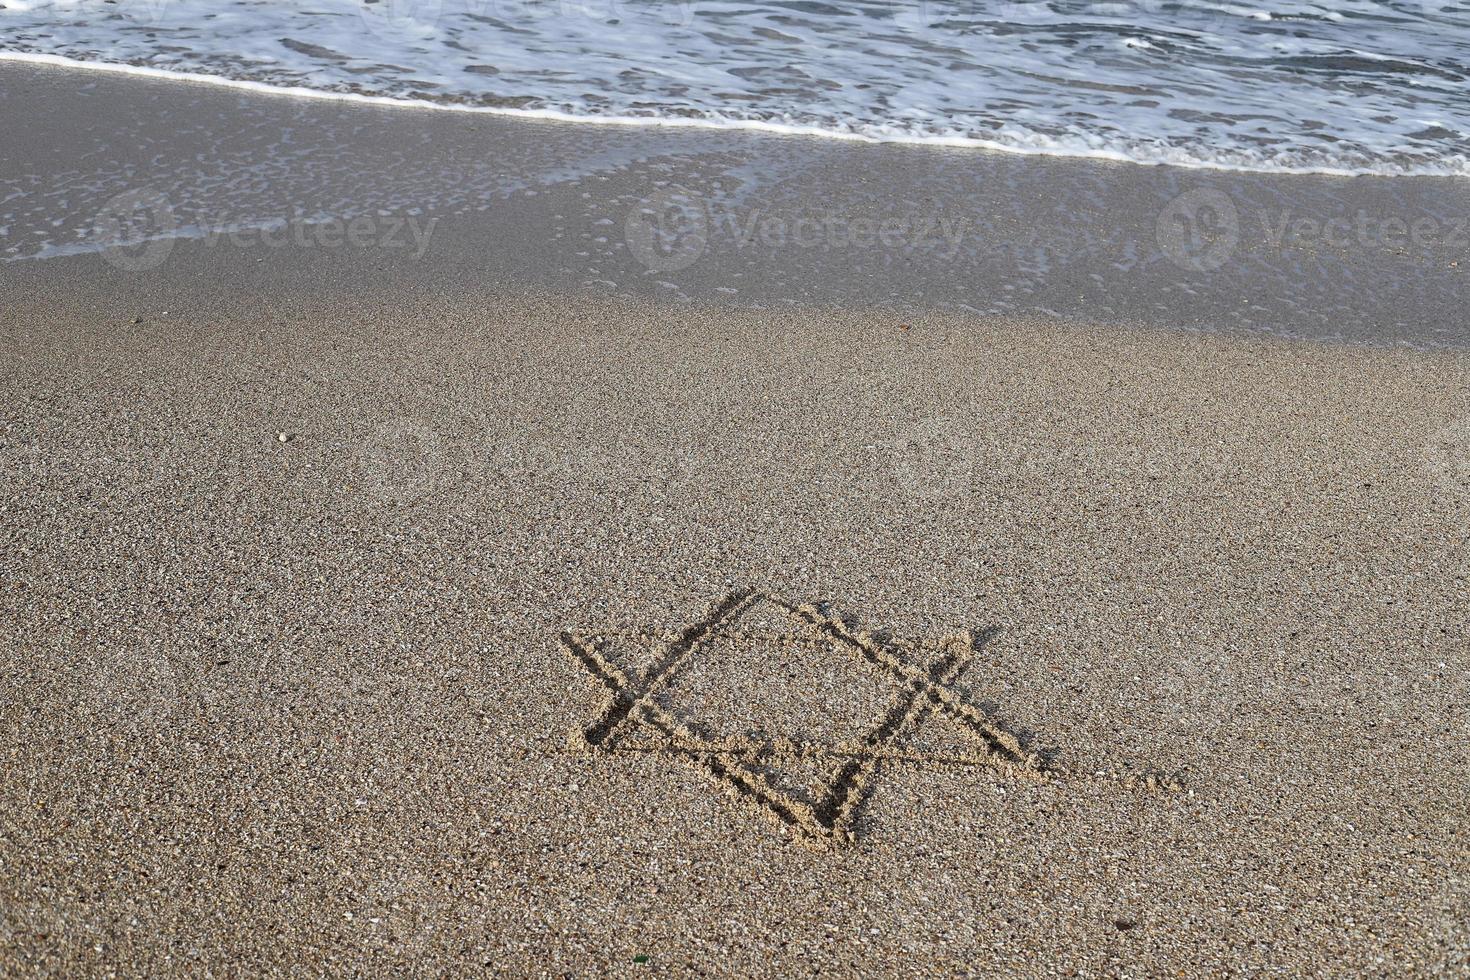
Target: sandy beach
[(307, 702), (368, 614)]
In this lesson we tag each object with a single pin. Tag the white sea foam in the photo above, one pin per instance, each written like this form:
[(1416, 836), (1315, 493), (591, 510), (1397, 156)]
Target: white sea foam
[(1344, 87)]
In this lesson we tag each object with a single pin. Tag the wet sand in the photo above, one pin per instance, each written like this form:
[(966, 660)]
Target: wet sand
[(728, 219)]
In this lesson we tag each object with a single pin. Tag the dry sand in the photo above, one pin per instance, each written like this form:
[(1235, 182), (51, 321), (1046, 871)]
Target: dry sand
[(285, 686)]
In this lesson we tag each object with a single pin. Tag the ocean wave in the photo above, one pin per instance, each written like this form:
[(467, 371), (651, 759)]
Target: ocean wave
[(1358, 88)]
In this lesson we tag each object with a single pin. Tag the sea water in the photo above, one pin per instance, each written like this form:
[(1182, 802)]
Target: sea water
[(1338, 86)]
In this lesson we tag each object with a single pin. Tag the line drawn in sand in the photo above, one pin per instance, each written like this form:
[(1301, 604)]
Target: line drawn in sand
[(741, 765)]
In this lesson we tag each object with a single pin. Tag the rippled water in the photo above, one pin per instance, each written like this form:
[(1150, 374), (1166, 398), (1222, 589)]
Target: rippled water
[(1356, 86)]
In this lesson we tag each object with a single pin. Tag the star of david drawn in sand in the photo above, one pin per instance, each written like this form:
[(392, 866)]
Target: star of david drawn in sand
[(639, 719)]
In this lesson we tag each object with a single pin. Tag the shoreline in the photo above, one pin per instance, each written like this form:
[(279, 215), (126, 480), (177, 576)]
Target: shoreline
[(738, 219), (674, 122), (732, 219)]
